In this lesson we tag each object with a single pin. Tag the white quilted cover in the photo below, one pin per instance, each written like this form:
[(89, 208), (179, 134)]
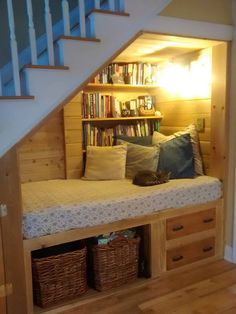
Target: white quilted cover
[(59, 205)]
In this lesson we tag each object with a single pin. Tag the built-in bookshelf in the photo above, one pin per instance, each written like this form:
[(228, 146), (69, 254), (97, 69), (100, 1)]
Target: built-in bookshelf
[(96, 133), (134, 73), (109, 110)]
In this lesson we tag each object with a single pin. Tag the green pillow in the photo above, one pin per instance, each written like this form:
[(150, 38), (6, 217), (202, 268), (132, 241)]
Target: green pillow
[(140, 158)]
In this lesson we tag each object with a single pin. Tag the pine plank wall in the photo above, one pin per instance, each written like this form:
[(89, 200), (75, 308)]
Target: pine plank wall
[(55, 150)]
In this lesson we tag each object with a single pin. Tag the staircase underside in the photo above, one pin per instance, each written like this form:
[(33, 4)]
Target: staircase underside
[(81, 60)]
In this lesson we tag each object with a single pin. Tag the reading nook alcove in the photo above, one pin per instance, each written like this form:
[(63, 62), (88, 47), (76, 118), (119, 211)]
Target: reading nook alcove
[(180, 224)]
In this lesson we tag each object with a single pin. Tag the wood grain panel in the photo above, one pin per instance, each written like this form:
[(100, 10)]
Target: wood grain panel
[(73, 138), (187, 224), (41, 157), (190, 253), (3, 309), (219, 102), (183, 120), (42, 169), (11, 225)]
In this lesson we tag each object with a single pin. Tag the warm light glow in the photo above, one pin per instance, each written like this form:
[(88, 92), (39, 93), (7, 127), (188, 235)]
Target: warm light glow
[(188, 81)]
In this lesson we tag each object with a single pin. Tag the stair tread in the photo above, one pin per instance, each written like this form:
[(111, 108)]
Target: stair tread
[(80, 38), (110, 12), (17, 97), (52, 67)]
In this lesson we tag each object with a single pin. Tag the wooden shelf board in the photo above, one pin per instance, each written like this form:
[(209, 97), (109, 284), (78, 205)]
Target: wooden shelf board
[(90, 296), (91, 86), (123, 118)]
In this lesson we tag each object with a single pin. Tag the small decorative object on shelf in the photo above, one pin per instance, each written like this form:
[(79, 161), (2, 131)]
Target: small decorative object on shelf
[(146, 112), (125, 112)]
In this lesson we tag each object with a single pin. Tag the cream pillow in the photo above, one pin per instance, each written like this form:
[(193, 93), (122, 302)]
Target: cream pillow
[(159, 137), (105, 162)]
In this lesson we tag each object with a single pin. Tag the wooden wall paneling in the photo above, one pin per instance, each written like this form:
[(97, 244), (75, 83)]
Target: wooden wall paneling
[(157, 238), (42, 155), (3, 308), (11, 224), (218, 115), (220, 235), (73, 138)]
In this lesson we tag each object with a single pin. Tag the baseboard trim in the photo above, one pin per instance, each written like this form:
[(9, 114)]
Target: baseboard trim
[(228, 256)]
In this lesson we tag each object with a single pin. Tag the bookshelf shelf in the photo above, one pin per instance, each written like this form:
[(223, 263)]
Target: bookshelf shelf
[(123, 118), (110, 109), (117, 87)]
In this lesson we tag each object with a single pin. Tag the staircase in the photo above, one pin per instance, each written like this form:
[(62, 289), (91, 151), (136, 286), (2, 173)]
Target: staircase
[(85, 40)]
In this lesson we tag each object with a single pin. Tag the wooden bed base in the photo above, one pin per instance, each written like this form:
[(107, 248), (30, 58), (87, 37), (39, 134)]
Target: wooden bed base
[(174, 239)]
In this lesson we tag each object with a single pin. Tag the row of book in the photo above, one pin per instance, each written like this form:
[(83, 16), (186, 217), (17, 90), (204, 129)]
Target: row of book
[(128, 73), (100, 136), (97, 105)]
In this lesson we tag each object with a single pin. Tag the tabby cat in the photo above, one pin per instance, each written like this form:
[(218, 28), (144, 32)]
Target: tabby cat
[(147, 178)]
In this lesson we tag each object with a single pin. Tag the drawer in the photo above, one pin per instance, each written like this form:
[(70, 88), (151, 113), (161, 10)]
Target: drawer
[(190, 253), (191, 223)]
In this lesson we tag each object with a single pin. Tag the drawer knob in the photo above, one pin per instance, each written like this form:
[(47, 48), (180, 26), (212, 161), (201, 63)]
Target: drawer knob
[(207, 248), (207, 220), (177, 228), (177, 258)]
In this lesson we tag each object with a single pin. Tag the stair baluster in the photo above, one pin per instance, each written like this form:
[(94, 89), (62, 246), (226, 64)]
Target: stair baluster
[(122, 5), (32, 37), (66, 17), (14, 49), (97, 4), (0, 84), (82, 18), (48, 24), (111, 4)]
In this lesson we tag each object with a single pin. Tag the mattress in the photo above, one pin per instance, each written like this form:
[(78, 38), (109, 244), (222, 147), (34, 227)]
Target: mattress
[(60, 205)]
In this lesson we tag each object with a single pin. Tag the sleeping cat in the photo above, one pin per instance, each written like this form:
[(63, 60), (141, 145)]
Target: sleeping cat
[(147, 178)]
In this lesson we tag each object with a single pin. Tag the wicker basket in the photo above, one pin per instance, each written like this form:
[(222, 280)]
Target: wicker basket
[(116, 263), (59, 277)]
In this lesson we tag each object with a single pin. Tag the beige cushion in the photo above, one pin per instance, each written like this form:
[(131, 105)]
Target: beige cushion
[(105, 163), (159, 137), (140, 158)]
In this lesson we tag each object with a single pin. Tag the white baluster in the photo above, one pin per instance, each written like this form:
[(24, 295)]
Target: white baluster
[(14, 50), (48, 24), (122, 5), (32, 37), (0, 84), (82, 19), (97, 4), (111, 4), (66, 17)]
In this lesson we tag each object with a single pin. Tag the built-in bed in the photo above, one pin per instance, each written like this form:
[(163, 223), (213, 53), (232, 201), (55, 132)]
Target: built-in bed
[(180, 218), (60, 205)]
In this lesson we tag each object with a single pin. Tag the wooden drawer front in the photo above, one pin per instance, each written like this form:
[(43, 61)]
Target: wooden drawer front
[(190, 253), (183, 225)]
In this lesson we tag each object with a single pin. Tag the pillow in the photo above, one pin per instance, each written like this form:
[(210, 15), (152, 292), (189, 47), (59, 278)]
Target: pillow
[(140, 140), (105, 162), (159, 138), (140, 158), (176, 157)]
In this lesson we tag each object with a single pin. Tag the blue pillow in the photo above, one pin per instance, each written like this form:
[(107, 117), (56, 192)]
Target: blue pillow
[(139, 140), (176, 157)]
